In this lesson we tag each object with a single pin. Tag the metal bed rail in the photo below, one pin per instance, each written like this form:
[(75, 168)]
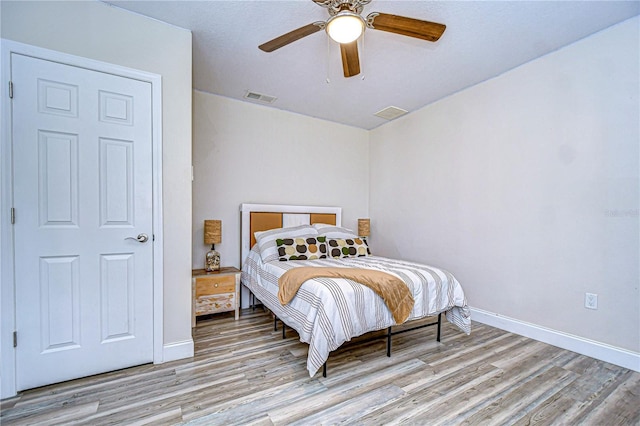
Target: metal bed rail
[(388, 335)]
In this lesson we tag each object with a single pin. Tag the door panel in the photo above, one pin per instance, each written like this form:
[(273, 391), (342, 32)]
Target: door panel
[(117, 287), (59, 303), (82, 184), (116, 185), (58, 179)]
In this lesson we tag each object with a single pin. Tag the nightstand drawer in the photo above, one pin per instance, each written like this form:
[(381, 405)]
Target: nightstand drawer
[(215, 303), (215, 285)]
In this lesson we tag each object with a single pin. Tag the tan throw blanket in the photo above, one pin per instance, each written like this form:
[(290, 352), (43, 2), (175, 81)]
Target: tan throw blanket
[(392, 289)]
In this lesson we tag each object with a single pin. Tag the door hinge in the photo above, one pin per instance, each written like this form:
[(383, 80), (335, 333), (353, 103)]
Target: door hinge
[(13, 215), (153, 237), (15, 339), (10, 89)]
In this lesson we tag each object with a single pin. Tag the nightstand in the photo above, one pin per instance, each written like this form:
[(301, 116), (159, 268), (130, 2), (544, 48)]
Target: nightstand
[(212, 292)]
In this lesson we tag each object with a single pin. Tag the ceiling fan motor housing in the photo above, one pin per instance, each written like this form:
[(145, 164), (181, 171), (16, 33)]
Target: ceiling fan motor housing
[(336, 6)]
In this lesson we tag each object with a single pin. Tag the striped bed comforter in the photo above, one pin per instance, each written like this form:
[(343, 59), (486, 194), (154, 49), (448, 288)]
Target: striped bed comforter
[(326, 312)]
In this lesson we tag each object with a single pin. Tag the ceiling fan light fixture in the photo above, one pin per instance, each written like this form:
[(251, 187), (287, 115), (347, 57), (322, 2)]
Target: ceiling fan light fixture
[(345, 26)]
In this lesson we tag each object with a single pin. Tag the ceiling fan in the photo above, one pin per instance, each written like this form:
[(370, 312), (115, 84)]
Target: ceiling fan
[(346, 24)]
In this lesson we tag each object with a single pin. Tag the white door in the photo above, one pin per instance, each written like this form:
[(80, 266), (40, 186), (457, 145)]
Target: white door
[(82, 168)]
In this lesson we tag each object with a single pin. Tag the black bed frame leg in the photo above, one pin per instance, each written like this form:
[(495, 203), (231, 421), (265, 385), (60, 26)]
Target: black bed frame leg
[(439, 324), (324, 369), (389, 342), (284, 330), (275, 323)]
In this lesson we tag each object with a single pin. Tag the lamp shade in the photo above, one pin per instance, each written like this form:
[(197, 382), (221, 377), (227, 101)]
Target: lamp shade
[(345, 26), (363, 227), (212, 231)]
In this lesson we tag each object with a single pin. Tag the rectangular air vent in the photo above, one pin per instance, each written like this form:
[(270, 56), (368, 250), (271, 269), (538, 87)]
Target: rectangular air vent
[(254, 96), (391, 112)]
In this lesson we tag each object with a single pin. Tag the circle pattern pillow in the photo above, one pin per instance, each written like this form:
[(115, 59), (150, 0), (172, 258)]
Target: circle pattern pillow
[(302, 248), (348, 247)]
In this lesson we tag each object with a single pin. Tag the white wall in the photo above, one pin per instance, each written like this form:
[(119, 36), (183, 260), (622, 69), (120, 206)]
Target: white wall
[(97, 31), (526, 187), (248, 153)]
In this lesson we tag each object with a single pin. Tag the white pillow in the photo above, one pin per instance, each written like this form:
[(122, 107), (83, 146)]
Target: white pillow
[(321, 225), (332, 231), (266, 240)]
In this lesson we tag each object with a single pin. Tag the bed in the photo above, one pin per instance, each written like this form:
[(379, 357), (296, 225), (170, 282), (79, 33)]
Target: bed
[(327, 312)]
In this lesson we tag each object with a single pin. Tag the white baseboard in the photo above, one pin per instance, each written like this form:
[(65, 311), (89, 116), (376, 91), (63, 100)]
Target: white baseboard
[(177, 350), (591, 348)]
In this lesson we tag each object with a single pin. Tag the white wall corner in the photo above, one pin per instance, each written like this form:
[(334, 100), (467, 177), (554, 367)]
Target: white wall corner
[(177, 350), (591, 348)]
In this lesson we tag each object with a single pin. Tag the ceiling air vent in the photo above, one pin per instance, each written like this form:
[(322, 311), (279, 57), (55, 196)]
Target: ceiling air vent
[(254, 96), (389, 113)]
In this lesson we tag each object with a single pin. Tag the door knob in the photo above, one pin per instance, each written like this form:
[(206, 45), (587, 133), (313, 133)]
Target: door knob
[(141, 238)]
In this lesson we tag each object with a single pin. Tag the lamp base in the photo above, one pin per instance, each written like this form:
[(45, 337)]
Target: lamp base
[(212, 261)]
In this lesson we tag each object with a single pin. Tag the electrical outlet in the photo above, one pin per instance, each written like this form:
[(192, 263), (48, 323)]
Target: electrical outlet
[(591, 301)]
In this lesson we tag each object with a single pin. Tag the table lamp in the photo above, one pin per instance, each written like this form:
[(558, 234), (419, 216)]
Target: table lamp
[(363, 227), (213, 236)]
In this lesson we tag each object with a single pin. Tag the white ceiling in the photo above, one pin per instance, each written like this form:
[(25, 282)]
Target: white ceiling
[(483, 39)]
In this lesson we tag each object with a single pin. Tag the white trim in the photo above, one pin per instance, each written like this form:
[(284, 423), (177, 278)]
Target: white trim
[(612, 354), (158, 221), (7, 291), (7, 288), (178, 350)]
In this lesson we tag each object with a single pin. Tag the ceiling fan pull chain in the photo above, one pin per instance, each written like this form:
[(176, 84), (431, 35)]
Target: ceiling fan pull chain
[(362, 56), (328, 59)]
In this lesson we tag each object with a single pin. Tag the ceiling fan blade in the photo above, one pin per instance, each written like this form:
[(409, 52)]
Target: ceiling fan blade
[(350, 59), (292, 36), (410, 27)]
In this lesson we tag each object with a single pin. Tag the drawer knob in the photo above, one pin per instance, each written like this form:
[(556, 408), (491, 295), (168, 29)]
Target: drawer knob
[(216, 285)]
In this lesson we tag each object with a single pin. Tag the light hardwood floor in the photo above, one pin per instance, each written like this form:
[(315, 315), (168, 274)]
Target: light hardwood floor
[(245, 373)]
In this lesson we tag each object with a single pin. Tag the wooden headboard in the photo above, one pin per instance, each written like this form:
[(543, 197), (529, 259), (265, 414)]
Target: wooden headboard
[(262, 217)]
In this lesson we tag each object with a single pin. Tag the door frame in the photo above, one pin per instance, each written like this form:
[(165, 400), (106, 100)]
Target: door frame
[(7, 255)]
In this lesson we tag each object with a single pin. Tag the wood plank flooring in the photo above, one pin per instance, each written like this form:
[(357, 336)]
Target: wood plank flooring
[(244, 373)]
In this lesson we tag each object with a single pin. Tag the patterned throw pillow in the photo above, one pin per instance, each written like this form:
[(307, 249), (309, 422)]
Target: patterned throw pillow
[(266, 240), (348, 247), (302, 248)]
